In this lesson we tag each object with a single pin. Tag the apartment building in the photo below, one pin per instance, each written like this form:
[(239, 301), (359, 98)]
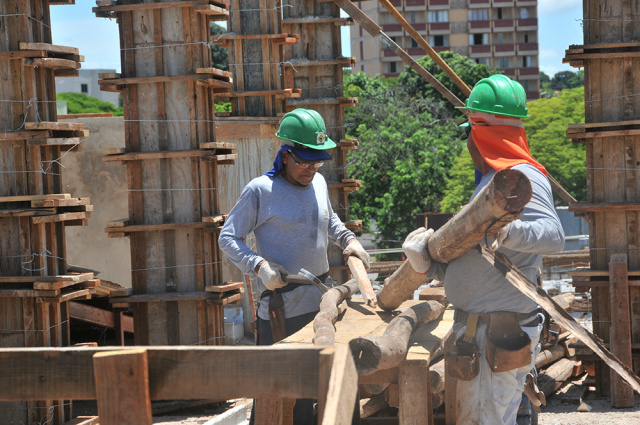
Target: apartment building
[(498, 33)]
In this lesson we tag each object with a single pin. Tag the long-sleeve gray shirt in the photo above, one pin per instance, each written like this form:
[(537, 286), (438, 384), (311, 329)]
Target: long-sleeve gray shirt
[(292, 227), (475, 286)]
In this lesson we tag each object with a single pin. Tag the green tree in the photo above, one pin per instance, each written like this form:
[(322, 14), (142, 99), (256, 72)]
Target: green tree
[(467, 69), (544, 78), (219, 55), (546, 132), (407, 146), (79, 103)]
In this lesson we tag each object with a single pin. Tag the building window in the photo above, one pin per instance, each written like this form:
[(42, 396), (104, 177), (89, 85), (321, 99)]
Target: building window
[(439, 40), (478, 39), (478, 14), (414, 43), (526, 38), (499, 13), (84, 88), (412, 17), (482, 61), (500, 38), (504, 62), (438, 16), (392, 68), (526, 61), (524, 13), (526, 85)]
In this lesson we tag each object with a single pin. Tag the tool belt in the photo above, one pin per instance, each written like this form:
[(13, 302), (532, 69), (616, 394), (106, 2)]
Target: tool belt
[(508, 346)]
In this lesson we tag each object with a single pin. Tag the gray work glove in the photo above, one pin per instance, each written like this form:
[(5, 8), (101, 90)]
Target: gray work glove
[(271, 275), (355, 248), (415, 248)]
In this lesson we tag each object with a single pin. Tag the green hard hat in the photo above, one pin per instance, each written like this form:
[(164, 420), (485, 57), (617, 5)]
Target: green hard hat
[(306, 127), (500, 95)]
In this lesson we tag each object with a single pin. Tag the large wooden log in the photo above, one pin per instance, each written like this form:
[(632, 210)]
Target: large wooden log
[(552, 378), (498, 204), (362, 279), (388, 350), (323, 327)]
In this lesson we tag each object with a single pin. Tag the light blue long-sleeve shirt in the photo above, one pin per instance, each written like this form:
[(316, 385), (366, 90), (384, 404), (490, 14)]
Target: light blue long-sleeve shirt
[(475, 286), (292, 227)]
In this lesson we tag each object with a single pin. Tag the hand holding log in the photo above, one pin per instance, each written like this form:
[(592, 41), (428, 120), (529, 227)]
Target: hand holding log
[(499, 203), (388, 350)]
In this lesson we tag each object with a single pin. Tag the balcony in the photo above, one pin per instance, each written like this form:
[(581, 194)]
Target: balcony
[(503, 3), (528, 24), (388, 53), (438, 4), (392, 29), (479, 26), (526, 2), (474, 4), (527, 48), (504, 49), (409, 3), (503, 25), (420, 27), (480, 51), (439, 28), (396, 3), (439, 49), (529, 73), (533, 95), (416, 51), (510, 72)]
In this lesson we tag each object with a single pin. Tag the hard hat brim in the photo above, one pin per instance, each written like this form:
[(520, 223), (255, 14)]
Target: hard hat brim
[(311, 155)]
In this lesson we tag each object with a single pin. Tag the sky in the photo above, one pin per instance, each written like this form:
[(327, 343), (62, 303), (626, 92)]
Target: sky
[(97, 39)]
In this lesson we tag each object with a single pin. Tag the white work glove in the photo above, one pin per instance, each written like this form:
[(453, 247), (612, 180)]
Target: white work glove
[(500, 237), (415, 248), (355, 248), (271, 275)]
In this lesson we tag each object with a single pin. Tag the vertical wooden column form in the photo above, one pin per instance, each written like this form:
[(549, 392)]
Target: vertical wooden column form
[(621, 393), (612, 106), (33, 308), (314, 66), (173, 164)]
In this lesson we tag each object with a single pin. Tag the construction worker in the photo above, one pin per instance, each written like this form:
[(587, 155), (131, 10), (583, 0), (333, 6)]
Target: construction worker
[(497, 327), (289, 212)]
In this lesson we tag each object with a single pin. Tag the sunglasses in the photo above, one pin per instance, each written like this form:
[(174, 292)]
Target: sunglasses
[(303, 164)]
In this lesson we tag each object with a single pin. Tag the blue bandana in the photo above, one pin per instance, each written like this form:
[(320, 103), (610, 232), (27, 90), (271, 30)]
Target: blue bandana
[(304, 154)]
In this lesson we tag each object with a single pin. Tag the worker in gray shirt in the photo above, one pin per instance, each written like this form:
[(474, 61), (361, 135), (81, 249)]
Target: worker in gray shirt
[(289, 212), (497, 327)]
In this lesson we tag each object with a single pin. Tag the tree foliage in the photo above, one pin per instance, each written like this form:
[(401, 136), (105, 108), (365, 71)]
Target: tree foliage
[(219, 55), (546, 132), (407, 146), (79, 103), (468, 71)]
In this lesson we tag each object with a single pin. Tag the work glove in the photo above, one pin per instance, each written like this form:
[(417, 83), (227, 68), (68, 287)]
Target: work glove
[(271, 275), (415, 248), (355, 248)]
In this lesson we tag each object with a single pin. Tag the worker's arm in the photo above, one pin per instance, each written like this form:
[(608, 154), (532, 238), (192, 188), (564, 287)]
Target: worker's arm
[(241, 221), (538, 230), (338, 232)]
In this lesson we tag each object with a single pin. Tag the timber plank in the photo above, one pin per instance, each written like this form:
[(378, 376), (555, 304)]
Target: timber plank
[(53, 125), (225, 287), (136, 156), (114, 7), (76, 278), (122, 387), (64, 297), (52, 63), (49, 48), (175, 373), (156, 227), (168, 296), (56, 218), (162, 79), (30, 198)]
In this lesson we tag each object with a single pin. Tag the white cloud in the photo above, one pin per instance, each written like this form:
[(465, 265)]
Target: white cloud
[(552, 7)]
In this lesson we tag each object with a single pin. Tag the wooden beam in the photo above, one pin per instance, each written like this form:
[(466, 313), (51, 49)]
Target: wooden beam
[(621, 394), (98, 316), (122, 387), (415, 397), (338, 405), (175, 373)]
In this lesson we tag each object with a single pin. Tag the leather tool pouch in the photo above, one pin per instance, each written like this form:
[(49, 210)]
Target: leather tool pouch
[(508, 346), (463, 362), (277, 317)]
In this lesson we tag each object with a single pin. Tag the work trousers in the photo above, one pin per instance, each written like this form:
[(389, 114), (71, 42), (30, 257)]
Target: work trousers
[(493, 398), (303, 409)]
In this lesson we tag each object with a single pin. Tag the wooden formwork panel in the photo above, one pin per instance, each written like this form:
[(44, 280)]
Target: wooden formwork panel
[(610, 21), (170, 114)]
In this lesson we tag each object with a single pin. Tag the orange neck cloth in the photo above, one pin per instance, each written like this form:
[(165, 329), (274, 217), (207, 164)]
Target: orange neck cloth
[(504, 146)]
